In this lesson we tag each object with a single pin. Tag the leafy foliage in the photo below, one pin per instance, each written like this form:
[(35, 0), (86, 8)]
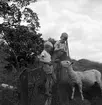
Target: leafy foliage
[(23, 41), (20, 43), (23, 3), (53, 41)]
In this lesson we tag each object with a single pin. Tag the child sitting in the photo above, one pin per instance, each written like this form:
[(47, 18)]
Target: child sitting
[(62, 44)]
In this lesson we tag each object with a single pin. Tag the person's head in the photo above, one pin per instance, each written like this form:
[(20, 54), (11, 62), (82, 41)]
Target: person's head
[(48, 46), (64, 37)]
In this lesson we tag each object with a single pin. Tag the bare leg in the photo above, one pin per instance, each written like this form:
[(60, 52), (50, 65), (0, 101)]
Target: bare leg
[(73, 91), (81, 92), (100, 84), (99, 81), (48, 86), (48, 101), (54, 77)]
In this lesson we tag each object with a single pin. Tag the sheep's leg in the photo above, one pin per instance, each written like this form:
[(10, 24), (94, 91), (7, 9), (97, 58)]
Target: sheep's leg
[(100, 84), (73, 91), (99, 81), (81, 92)]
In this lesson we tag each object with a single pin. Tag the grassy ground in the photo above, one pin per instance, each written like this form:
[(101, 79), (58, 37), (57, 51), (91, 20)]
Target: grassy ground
[(40, 100)]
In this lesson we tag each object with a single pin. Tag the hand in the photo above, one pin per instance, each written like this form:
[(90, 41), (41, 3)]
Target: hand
[(62, 50), (49, 63), (57, 60)]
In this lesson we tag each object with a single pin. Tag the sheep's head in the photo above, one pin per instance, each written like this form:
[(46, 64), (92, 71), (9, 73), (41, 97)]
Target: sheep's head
[(66, 63)]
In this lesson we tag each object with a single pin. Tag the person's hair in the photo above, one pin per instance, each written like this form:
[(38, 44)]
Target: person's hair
[(65, 35), (46, 46), (65, 38)]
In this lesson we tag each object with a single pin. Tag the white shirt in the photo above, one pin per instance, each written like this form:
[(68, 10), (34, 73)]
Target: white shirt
[(58, 45), (45, 56)]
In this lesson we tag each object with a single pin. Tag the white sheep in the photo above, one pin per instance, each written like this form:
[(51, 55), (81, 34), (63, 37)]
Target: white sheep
[(78, 77)]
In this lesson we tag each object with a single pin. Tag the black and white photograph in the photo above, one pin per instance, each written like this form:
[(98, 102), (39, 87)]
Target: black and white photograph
[(50, 52)]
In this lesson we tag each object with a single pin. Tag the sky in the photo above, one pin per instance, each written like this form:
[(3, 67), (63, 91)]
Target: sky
[(81, 19)]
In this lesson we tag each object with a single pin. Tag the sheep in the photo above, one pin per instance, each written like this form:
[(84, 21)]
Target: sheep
[(77, 77)]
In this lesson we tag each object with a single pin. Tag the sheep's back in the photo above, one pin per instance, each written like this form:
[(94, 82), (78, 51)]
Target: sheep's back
[(88, 77)]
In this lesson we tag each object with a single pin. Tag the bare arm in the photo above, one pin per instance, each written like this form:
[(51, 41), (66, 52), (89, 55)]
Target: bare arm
[(57, 46)]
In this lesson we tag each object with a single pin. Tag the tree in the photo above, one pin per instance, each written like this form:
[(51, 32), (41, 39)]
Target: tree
[(52, 40), (23, 43), (20, 39)]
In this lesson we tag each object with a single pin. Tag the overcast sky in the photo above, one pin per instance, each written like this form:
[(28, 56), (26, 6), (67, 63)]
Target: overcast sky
[(81, 19)]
